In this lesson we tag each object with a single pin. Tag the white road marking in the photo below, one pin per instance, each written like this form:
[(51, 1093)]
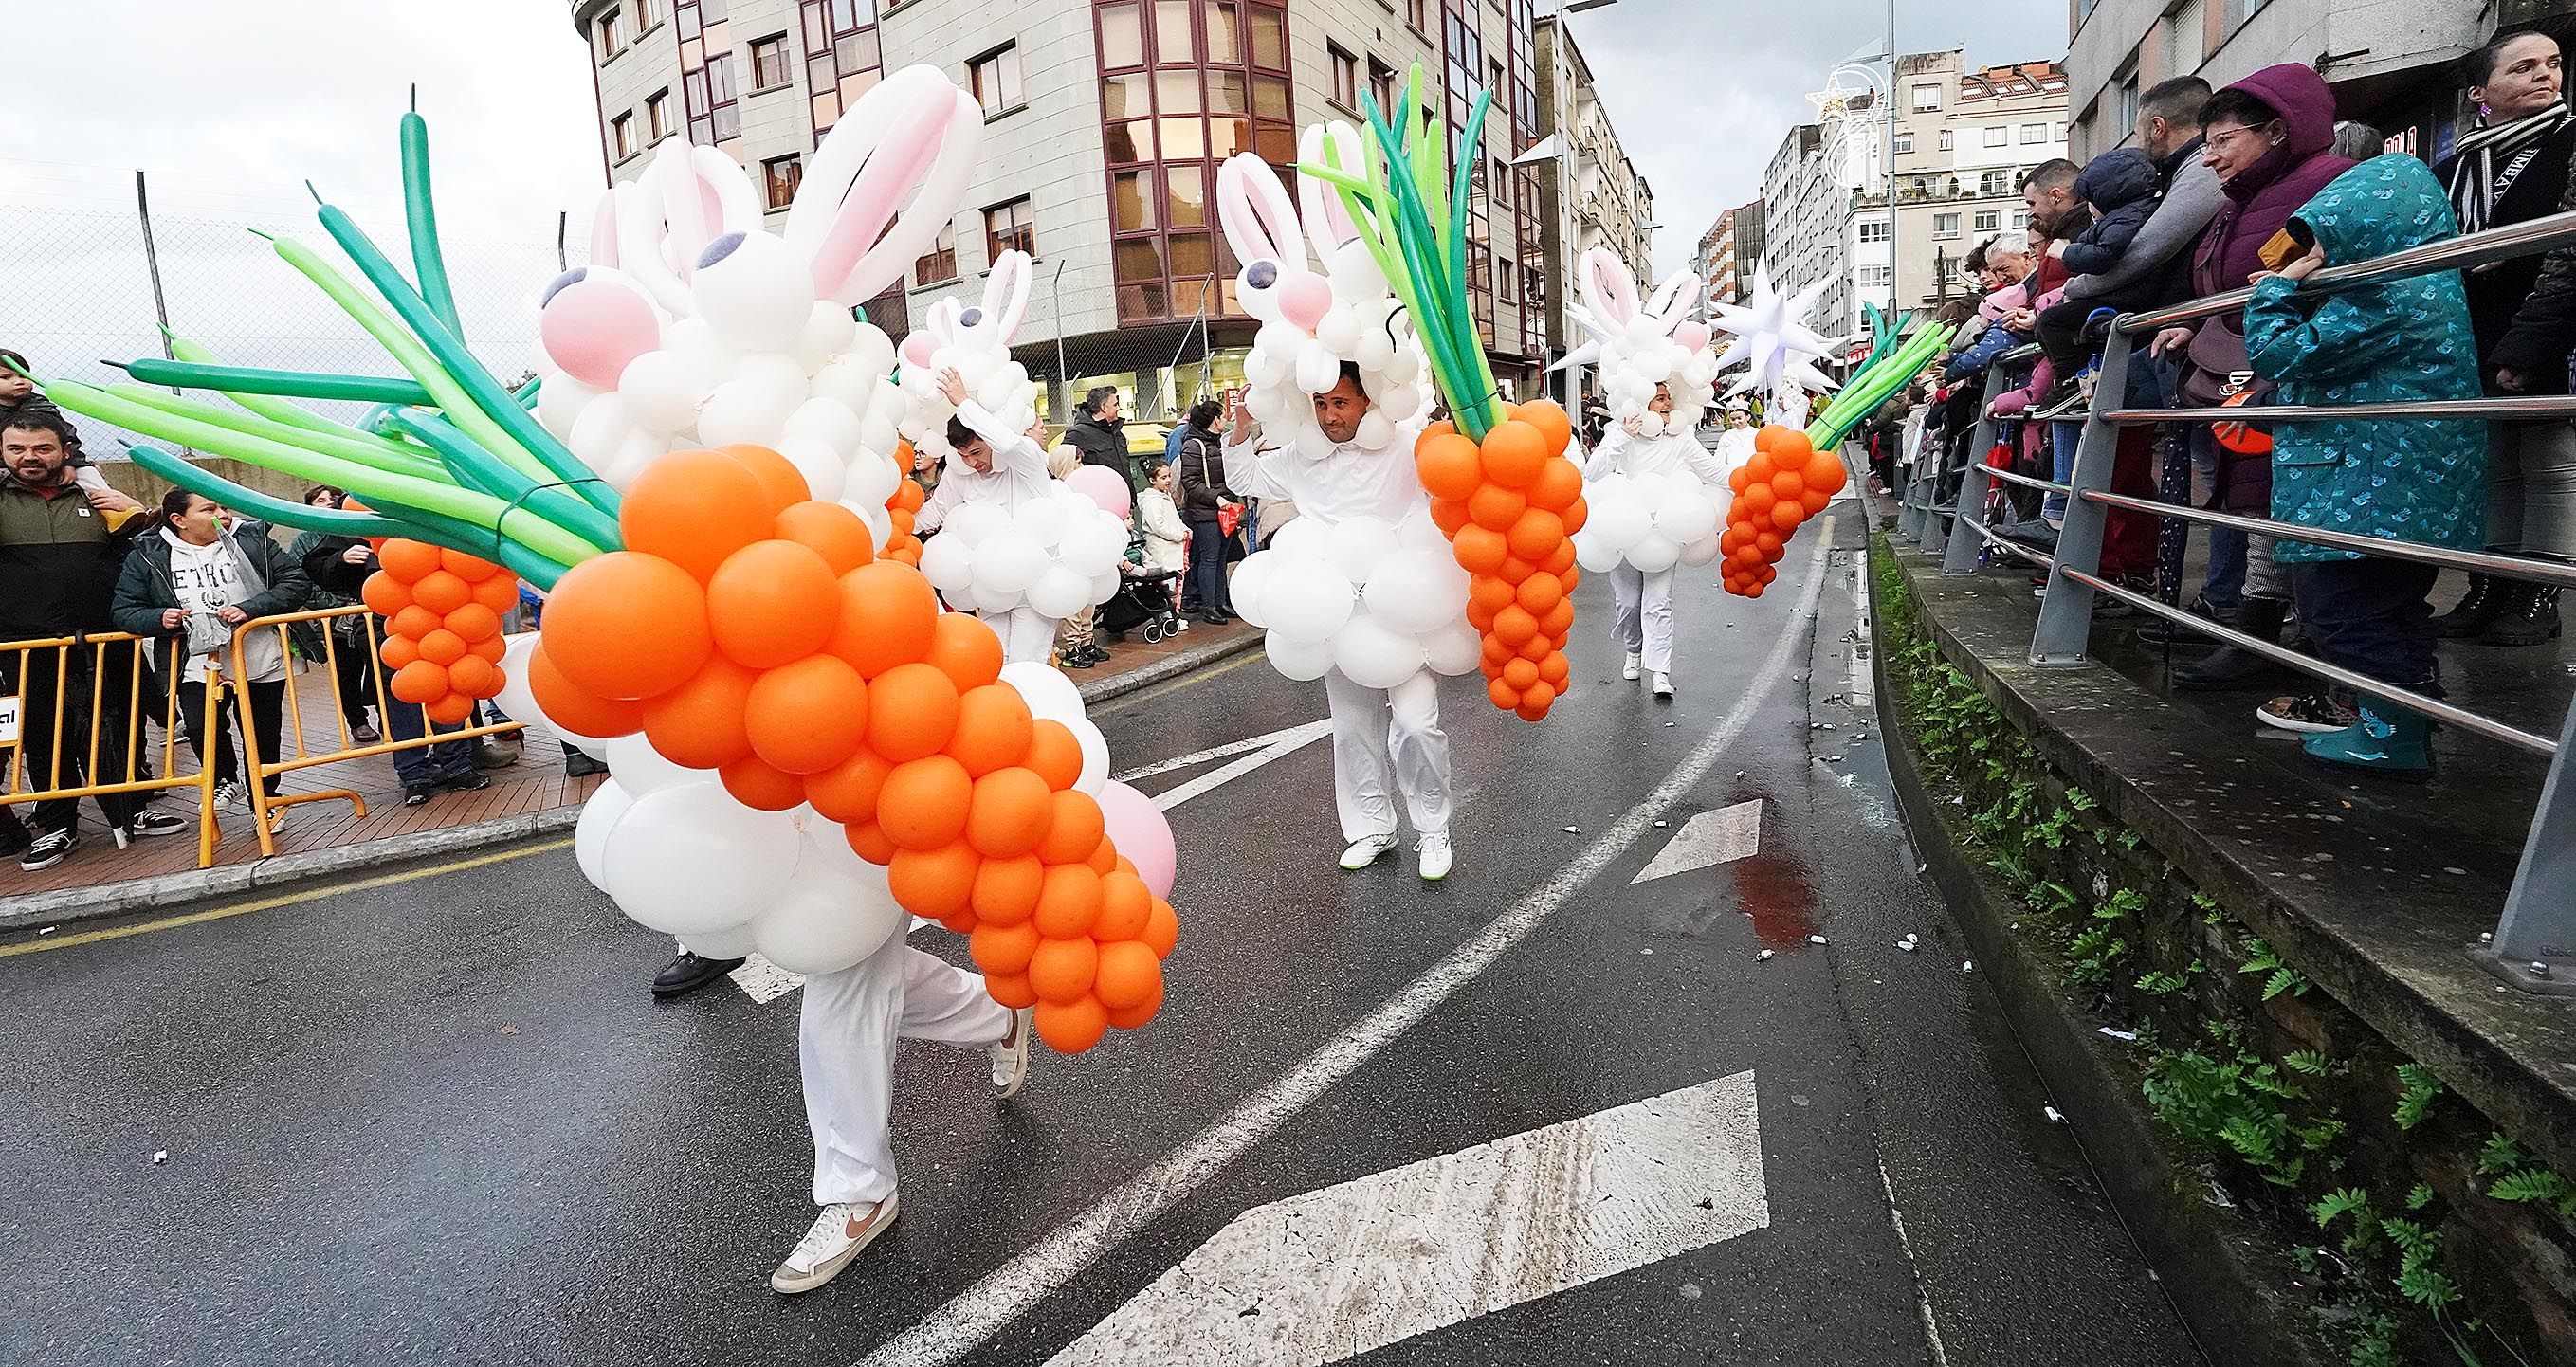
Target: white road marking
[(1922, 1298), (1708, 840), (1336, 1273), (763, 981), (1215, 752), (1288, 742), (1009, 1291)]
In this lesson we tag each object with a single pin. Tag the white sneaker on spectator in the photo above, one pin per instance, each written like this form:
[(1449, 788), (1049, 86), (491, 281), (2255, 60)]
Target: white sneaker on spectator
[(1011, 1056), (1433, 851), (1629, 671), (1366, 851), (838, 1234), (230, 796), (158, 823), (276, 819)]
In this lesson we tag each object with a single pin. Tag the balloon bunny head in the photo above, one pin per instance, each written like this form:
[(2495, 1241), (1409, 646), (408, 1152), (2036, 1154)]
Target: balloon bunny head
[(694, 326), (975, 341), (1640, 345), (1312, 321)]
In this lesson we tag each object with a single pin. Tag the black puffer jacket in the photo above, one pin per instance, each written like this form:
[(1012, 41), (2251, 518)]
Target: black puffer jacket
[(2122, 184), (1202, 475), (2524, 308), (1101, 443)]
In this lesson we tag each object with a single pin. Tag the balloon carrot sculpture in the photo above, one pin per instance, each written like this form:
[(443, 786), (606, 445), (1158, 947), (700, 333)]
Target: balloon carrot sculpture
[(805, 747), (1502, 489)]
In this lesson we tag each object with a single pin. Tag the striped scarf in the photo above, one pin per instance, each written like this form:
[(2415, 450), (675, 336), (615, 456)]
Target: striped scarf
[(2490, 158)]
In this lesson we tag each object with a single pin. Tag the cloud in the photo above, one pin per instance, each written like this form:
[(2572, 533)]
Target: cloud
[(1702, 91)]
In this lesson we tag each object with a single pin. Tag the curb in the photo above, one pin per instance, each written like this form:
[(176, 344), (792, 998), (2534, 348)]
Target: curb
[(225, 880), (2202, 1255)]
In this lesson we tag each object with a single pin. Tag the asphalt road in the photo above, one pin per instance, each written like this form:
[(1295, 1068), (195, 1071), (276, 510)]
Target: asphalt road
[(441, 1120)]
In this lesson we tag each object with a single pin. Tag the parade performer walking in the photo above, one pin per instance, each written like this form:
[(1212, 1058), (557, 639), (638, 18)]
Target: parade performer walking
[(1002, 468), (1644, 592)]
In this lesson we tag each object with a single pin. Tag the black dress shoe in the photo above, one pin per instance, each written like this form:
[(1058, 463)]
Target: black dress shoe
[(579, 765), (688, 973), (468, 782)]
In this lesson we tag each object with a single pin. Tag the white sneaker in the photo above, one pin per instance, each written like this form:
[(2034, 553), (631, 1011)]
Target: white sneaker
[(1011, 1056), (276, 819), (231, 797), (1628, 671), (1433, 851), (838, 1234), (1663, 684), (1365, 851)]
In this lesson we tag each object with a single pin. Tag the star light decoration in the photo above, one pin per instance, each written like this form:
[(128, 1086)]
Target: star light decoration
[(1778, 350)]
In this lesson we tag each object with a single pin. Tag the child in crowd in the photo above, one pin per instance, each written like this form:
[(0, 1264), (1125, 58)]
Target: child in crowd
[(2120, 187)]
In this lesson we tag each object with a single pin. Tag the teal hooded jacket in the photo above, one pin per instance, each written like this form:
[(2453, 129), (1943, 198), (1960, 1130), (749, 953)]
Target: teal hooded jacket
[(2407, 340)]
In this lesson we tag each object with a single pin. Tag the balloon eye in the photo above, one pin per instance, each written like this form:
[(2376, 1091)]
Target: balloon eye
[(564, 282), (970, 318), (719, 249), (1261, 275)]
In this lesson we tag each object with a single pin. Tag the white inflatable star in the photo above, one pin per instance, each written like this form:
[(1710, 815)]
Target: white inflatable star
[(1779, 351)]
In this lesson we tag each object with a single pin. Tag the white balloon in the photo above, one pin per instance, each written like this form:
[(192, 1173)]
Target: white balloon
[(643, 769), (880, 522), (1309, 605), (691, 858), (1399, 402), (561, 402), (1060, 593), (1043, 520), (1370, 655), (743, 413), (1618, 522), (869, 478), (1095, 757), (1312, 443), (1375, 431), (1413, 592), (847, 381), (759, 295), (1652, 554), (661, 390), (1251, 580), (599, 815), (1355, 546), (1405, 368), (871, 350), (1454, 649), (972, 523), (949, 565), (1339, 331), (1008, 562), (825, 420), (1703, 551), (1417, 532), (823, 467), (776, 374), (1317, 369), (828, 332), (1301, 539), (1049, 694), (515, 700), (1300, 661), (602, 427), (697, 339), (1590, 551), (832, 915), (635, 454)]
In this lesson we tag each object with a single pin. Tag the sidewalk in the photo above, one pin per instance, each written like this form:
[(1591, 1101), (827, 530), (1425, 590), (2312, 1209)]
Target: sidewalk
[(531, 797)]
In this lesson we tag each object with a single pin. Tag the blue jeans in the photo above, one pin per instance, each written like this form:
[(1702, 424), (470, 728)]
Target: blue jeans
[(1207, 567), (440, 763)]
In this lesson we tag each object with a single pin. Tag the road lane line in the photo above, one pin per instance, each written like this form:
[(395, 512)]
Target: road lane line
[(1014, 1288), (1203, 756), (1289, 742), (89, 937), (1332, 1274)]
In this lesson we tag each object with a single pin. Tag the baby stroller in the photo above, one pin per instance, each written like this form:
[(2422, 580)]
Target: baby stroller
[(1147, 602)]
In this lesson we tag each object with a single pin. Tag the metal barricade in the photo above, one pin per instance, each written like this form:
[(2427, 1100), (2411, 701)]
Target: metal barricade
[(2534, 944), (259, 769), (110, 719)]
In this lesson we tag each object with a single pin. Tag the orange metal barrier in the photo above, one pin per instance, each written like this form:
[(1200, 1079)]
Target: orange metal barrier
[(102, 657)]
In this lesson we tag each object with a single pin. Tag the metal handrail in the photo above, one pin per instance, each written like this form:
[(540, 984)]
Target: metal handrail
[(2475, 249), (2529, 406), (2028, 481), (2484, 562), (1994, 538)]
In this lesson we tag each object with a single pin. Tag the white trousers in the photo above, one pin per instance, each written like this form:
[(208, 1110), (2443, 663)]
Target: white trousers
[(1645, 614), (1388, 739), (845, 1043), (1025, 635)]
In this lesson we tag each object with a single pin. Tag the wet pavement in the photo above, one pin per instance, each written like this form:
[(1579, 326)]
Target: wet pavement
[(441, 1119)]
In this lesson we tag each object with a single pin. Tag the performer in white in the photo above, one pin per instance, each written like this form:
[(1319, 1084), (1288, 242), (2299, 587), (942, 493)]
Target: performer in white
[(1645, 597), (1385, 741), (1006, 469)]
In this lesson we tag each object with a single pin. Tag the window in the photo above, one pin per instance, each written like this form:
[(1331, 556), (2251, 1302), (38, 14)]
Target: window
[(769, 62), (2124, 101), (2033, 134), (1945, 140), (940, 262), (779, 177), (1927, 98), (723, 107), (1010, 227), (1995, 183), (1945, 227), (647, 14), (1998, 137), (1874, 230), (1904, 142), (621, 136), (1876, 277), (1506, 281), (1346, 76), (603, 36), (2059, 134), (2238, 11), (1989, 220), (2021, 218), (995, 77), (657, 115), (1418, 14), (1382, 85)]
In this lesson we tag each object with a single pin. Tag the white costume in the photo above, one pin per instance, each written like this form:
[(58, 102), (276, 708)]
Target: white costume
[(1645, 599), (1019, 475), (1383, 738), (845, 1043)]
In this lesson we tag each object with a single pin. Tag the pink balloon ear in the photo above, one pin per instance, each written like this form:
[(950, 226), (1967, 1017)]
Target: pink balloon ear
[(1305, 298), (592, 328), (1692, 336), (918, 347)]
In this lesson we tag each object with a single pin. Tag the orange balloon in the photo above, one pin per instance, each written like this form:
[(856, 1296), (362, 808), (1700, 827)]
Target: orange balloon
[(1493, 594), (1104, 857), (1514, 625), (384, 595), (1540, 592), (627, 625), (1560, 562), (1537, 534), (1072, 1026), (1009, 989), (1788, 484), (761, 786), (1003, 950), (471, 569), (1765, 575), (1540, 695), (421, 681), (1514, 453), (1754, 591), (1493, 672), (1768, 542), (1125, 904), (1534, 649), (694, 508), (1070, 904), (1826, 473), (1732, 539), (500, 593), (1442, 428), (1555, 429), (1479, 550), (808, 716), (830, 531), (699, 725), (781, 483), (1162, 930), (1789, 446), (1516, 570), (1786, 516), (475, 677), (1074, 828), (1054, 753), (441, 592), (993, 728), (407, 560), (474, 623), (768, 603), (870, 844), (1448, 465), (1008, 813), (1449, 514), (1556, 669), (1062, 970), (442, 647), (936, 883), (1135, 1017), (1554, 622), (846, 792), (1760, 469), (414, 623), (1128, 975), (1814, 500), (1740, 478), (1481, 617), (1502, 692), (888, 616), (1007, 890), (1519, 675), (1757, 502), (965, 650), (1559, 483), (912, 712), (924, 803), (1576, 516), (1496, 508), (569, 705)]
